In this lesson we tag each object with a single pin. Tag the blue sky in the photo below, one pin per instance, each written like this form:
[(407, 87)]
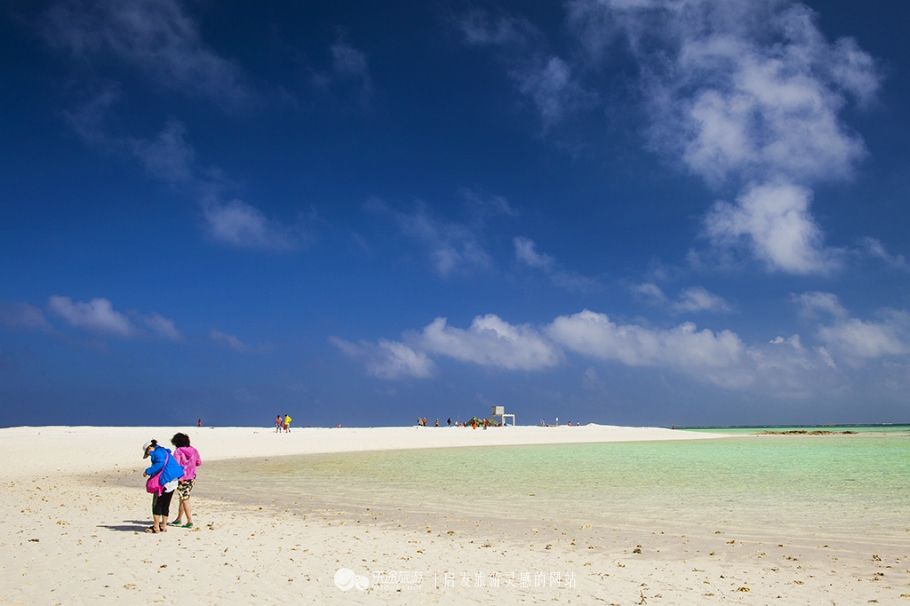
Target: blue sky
[(633, 212)]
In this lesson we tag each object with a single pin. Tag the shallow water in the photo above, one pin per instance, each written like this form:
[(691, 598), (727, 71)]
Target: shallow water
[(821, 486)]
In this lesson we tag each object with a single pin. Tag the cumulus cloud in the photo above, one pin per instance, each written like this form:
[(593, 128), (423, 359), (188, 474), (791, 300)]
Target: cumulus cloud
[(96, 315), (782, 366), (696, 299), (239, 224), (787, 368), (855, 340), (774, 222), (812, 303), (690, 300), (157, 38), (227, 340), (748, 93), (746, 89), (683, 347), (526, 252), (490, 341), (388, 359), (650, 292), (161, 326), (859, 339)]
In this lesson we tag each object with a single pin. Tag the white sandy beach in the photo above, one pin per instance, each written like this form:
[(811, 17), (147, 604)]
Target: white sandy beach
[(71, 533)]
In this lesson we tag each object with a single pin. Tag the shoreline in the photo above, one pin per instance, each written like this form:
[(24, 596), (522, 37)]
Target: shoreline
[(108, 448)]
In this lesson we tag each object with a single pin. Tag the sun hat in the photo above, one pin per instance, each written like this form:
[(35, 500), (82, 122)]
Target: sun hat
[(145, 448)]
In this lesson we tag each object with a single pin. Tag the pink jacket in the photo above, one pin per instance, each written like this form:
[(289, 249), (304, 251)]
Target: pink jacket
[(188, 457)]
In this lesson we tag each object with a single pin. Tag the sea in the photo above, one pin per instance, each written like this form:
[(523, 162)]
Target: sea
[(763, 483)]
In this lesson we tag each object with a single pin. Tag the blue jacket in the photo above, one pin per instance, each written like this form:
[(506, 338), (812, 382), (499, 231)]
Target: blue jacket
[(171, 471)]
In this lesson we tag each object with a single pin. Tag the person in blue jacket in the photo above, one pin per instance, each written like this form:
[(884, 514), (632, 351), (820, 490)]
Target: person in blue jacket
[(163, 463)]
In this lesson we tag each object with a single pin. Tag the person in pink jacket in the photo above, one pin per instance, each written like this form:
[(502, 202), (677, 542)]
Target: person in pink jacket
[(189, 458)]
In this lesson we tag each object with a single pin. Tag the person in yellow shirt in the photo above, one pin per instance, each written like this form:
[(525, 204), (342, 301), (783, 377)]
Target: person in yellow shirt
[(287, 423)]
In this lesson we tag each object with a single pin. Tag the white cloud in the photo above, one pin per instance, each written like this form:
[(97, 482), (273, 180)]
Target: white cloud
[(684, 347), (490, 341), (875, 249), (97, 315), (811, 303), (851, 339), (690, 300), (745, 91), (155, 37), (239, 224), (161, 326), (696, 299), (651, 292), (388, 359), (549, 83), (774, 222), (228, 340), (782, 366), (22, 316), (526, 252), (738, 88), (857, 340), (770, 117), (786, 368)]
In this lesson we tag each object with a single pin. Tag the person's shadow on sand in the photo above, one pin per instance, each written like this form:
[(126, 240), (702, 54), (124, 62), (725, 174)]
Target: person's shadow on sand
[(128, 526)]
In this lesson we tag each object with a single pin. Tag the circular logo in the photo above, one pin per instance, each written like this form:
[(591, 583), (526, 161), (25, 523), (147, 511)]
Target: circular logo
[(346, 580)]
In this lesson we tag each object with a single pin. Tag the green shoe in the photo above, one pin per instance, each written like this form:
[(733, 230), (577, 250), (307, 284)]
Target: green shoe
[(175, 523), (187, 525)]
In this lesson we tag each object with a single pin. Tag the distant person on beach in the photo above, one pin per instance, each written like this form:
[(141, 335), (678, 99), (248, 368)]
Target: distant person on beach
[(449, 422), (279, 423), (189, 459), (287, 423), (163, 477), (436, 423), (198, 422)]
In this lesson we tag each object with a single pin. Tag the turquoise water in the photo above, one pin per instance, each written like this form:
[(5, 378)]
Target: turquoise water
[(835, 428), (820, 485)]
